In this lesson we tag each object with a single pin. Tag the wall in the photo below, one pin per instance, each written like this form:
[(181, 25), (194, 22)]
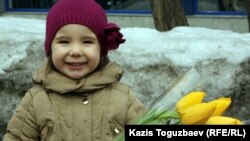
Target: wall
[(234, 23), (1, 6)]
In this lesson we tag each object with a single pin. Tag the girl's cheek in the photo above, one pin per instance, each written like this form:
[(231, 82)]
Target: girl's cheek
[(60, 48)]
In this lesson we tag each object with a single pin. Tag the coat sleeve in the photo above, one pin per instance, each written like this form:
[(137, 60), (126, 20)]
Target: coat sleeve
[(135, 108), (22, 126)]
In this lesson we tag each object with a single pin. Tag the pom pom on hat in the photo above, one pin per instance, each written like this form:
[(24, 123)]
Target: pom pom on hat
[(87, 13)]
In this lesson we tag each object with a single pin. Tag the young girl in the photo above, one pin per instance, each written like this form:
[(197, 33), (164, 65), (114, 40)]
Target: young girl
[(77, 94)]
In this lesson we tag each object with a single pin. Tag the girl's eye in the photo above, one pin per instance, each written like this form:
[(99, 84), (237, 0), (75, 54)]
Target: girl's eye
[(87, 42), (63, 42)]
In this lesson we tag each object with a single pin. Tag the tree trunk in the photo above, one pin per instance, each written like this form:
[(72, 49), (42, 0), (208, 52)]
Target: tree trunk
[(248, 13), (168, 14)]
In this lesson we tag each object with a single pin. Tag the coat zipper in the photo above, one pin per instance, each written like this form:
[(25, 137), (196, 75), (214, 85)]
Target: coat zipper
[(50, 128)]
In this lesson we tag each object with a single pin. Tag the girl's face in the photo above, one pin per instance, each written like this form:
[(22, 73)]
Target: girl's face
[(75, 51)]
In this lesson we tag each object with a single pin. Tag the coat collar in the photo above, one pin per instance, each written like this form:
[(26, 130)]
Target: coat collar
[(53, 80)]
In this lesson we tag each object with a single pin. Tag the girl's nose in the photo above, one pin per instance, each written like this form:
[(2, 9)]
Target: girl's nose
[(75, 50)]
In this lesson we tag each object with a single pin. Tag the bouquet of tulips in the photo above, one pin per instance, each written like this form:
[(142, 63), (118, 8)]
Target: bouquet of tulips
[(173, 108), (190, 110), (182, 104)]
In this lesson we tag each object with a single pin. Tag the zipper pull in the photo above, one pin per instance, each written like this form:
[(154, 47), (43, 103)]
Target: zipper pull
[(116, 130), (50, 125)]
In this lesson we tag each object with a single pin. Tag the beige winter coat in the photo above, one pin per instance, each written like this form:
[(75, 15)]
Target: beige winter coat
[(58, 108)]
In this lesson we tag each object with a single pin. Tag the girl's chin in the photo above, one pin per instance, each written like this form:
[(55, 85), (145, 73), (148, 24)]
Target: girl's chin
[(76, 76)]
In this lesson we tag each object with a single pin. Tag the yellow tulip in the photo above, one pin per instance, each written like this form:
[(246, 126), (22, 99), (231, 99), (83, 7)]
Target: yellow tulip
[(220, 120), (189, 100), (198, 113), (222, 105), (192, 111)]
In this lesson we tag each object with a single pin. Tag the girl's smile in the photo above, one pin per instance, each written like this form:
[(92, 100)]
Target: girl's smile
[(76, 66)]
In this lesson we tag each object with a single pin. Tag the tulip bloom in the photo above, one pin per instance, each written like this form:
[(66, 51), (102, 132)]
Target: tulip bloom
[(220, 120), (189, 100), (197, 114), (222, 105)]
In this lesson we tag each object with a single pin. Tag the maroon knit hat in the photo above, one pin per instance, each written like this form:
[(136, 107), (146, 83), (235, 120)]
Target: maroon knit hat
[(87, 13)]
